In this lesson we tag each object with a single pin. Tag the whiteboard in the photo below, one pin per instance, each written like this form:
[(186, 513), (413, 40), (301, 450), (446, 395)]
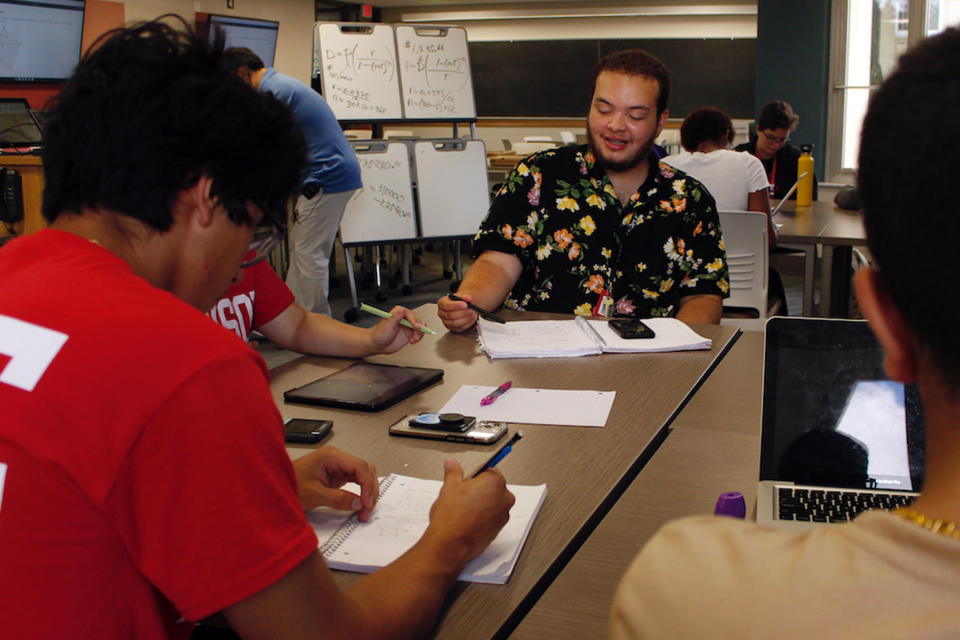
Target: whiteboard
[(435, 76), (451, 186), (358, 70), (383, 209)]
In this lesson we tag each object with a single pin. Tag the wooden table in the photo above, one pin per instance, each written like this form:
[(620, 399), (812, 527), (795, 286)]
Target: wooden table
[(837, 231), (713, 446), (30, 168), (838, 238), (585, 469)]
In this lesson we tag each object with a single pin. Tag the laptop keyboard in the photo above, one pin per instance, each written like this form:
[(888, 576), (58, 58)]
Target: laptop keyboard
[(809, 504)]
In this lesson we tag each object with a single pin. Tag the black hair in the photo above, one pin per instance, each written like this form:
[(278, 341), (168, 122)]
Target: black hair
[(706, 124), (236, 57), (637, 62), (147, 111), (908, 181), (777, 115)]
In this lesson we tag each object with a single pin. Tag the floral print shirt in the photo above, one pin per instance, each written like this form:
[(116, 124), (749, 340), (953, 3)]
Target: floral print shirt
[(560, 215)]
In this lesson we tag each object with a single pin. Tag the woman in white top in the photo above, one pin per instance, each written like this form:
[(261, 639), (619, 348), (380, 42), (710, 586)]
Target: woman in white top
[(735, 179)]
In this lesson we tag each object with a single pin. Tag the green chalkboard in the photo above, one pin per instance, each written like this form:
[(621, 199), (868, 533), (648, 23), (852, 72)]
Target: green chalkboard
[(551, 78)]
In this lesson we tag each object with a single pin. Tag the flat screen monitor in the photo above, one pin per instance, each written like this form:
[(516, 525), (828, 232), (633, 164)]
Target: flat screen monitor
[(260, 36), (39, 41)]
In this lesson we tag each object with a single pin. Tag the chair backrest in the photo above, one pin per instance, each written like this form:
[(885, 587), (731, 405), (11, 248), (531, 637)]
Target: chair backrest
[(745, 236)]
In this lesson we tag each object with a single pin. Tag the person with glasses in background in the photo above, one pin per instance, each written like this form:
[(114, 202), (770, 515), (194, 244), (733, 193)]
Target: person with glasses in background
[(772, 146), (259, 300)]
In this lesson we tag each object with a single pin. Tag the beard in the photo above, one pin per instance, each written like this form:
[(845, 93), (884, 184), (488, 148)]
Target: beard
[(617, 165)]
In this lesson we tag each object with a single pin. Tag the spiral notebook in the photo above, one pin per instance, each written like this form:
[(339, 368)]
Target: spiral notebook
[(581, 337), (400, 518)]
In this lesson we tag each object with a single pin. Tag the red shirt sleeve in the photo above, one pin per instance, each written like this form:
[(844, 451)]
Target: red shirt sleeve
[(207, 505), (272, 295)]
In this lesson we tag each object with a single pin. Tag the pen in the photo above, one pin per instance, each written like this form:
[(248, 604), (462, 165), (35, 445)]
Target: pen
[(383, 314), (499, 455), (483, 312), (496, 393)]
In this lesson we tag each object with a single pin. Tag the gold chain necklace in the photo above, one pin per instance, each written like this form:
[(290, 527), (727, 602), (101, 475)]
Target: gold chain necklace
[(944, 527)]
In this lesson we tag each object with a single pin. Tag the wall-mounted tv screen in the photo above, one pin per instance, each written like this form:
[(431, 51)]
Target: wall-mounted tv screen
[(39, 40), (260, 36)]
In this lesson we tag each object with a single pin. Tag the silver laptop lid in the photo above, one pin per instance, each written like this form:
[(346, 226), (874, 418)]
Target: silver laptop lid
[(831, 418)]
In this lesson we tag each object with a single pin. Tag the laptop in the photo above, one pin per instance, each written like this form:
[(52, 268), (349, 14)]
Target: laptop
[(838, 437), (19, 125), (789, 193)]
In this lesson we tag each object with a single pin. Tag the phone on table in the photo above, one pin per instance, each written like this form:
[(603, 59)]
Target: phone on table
[(631, 328), (452, 427), (303, 431)]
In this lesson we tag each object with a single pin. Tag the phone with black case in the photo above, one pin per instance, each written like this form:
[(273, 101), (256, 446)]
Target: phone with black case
[(631, 328), (303, 431)]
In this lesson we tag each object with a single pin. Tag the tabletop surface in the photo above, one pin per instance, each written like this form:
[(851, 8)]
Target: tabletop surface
[(713, 447), (583, 467), (804, 225)]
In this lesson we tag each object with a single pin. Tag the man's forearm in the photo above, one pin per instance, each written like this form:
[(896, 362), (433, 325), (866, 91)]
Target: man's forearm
[(490, 279), (701, 309)]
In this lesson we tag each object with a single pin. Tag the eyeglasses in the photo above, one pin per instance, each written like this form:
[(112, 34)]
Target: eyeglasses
[(265, 240), (775, 139)]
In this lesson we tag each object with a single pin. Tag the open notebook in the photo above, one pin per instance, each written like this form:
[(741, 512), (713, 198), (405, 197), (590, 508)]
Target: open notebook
[(401, 517), (581, 337)]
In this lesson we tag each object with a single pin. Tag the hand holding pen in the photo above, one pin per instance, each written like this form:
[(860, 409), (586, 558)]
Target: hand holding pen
[(483, 312), (499, 455)]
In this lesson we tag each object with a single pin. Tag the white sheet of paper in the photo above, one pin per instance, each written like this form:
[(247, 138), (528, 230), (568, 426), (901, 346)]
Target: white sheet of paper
[(578, 408)]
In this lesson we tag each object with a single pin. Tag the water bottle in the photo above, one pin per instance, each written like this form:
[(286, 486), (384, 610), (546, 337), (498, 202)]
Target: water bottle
[(805, 166)]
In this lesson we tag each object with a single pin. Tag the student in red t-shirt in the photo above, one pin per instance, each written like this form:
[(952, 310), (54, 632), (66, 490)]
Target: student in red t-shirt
[(144, 482), (259, 300)]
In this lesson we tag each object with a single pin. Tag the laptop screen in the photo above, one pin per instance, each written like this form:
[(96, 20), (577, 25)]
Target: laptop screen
[(830, 415), (17, 124)]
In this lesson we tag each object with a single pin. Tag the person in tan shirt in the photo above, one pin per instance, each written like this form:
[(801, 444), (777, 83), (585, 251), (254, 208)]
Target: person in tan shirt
[(886, 574)]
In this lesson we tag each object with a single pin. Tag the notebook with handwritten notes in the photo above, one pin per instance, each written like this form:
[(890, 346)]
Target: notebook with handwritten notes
[(400, 518)]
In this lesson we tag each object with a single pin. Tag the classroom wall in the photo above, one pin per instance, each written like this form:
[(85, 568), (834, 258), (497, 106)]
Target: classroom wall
[(793, 64), (295, 39)]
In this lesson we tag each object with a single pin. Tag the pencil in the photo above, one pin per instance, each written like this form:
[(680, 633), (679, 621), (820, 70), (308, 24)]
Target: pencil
[(383, 314)]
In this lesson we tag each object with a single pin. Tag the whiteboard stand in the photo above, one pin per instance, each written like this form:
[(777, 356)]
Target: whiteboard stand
[(397, 74), (382, 211)]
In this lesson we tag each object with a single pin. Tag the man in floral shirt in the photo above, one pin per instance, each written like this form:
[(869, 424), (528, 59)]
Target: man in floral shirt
[(578, 225)]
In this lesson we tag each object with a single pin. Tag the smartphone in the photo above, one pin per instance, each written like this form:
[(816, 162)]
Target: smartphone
[(443, 421), (631, 328), (477, 432), (303, 431)]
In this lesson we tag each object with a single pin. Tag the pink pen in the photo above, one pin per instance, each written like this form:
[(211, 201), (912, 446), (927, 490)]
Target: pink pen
[(496, 393)]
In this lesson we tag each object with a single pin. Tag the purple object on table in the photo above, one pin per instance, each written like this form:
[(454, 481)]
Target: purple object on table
[(731, 503)]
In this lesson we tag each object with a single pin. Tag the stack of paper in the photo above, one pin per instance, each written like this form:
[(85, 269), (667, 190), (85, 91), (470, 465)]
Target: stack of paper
[(399, 520), (579, 337)]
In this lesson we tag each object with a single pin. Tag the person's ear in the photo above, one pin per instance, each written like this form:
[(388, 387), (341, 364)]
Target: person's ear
[(661, 121), (900, 347), (202, 201)]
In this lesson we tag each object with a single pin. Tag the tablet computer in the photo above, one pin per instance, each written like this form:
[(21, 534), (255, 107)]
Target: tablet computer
[(365, 386)]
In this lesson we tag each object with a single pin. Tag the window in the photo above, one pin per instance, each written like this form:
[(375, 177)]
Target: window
[(868, 38)]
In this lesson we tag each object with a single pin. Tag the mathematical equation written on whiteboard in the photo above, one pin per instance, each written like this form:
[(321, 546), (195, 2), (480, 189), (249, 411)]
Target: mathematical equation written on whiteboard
[(388, 198), (433, 77), (352, 68)]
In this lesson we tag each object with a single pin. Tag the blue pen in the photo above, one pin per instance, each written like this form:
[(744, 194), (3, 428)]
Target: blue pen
[(499, 455)]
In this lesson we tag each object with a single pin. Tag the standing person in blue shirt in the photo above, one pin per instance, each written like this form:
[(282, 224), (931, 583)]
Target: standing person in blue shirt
[(332, 176)]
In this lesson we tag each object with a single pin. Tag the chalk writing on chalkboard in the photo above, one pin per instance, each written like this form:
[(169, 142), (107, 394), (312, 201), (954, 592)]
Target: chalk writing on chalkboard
[(344, 67), (434, 76)]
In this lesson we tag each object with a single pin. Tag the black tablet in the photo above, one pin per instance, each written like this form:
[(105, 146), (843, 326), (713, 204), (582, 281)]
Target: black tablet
[(365, 386)]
